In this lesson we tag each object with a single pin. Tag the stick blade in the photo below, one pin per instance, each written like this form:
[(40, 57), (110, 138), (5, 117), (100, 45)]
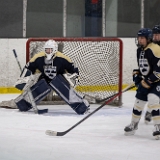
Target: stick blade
[(42, 111), (54, 133), (51, 133)]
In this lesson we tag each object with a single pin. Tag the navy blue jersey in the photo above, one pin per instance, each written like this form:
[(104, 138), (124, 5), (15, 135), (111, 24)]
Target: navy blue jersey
[(59, 64), (149, 62)]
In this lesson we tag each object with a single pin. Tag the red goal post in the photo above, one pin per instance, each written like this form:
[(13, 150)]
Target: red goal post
[(99, 61)]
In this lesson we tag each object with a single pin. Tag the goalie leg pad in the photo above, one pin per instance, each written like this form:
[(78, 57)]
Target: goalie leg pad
[(39, 92), (23, 105), (81, 108), (68, 94)]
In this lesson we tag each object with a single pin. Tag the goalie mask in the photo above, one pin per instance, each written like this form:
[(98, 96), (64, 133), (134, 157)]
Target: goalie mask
[(50, 48)]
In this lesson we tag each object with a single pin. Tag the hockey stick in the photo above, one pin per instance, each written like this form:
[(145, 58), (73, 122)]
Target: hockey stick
[(102, 100), (15, 55), (111, 98), (36, 110)]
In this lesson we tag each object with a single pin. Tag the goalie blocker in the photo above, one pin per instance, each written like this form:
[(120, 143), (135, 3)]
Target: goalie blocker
[(61, 87)]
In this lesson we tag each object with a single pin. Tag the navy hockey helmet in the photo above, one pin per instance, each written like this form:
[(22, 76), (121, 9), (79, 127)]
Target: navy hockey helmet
[(156, 29), (145, 32)]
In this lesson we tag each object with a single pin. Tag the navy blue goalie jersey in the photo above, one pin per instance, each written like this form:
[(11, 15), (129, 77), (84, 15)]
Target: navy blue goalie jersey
[(59, 64)]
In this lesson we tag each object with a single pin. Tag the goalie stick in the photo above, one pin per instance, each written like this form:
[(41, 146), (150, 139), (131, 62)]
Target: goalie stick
[(36, 110), (111, 98)]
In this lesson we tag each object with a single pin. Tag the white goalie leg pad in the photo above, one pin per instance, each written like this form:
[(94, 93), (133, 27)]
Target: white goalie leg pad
[(153, 104), (23, 102), (68, 94), (38, 91), (73, 80)]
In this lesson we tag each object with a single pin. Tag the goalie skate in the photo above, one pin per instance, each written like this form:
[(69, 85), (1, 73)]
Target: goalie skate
[(156, 132), (131, 128)]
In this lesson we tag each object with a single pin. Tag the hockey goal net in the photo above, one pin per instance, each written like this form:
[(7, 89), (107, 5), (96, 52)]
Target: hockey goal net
[(99, 61)]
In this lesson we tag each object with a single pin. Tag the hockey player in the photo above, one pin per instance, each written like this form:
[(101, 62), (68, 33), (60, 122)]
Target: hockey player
[(147, 79), (51, 64), (156, 34), (156, 39)]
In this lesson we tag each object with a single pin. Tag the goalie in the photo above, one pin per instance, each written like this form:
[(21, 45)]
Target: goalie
[(52, 67)]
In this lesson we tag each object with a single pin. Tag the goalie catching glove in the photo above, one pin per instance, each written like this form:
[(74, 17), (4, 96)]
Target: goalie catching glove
[(27, 79), (73, 79), (26, 82)]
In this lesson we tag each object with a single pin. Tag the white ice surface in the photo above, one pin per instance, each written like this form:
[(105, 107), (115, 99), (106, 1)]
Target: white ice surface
[(100, 137)]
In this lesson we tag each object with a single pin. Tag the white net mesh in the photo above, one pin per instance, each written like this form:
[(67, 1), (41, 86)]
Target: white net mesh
[(99, 61)]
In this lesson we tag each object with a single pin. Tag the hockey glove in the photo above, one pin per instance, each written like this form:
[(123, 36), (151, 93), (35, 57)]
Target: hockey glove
[(73, 79), (136, 77), (144, 87)]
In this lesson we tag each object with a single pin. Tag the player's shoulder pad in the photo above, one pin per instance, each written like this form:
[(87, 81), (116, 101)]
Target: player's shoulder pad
[(38, 55), (61, 55), (155, 48)]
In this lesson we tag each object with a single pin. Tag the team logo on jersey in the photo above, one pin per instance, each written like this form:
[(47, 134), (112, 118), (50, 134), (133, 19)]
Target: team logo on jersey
[(143, 64), (50, 71), (158, 88)]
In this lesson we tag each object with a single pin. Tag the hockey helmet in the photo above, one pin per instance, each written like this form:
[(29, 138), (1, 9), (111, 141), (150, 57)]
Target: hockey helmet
[(53, 46), (156, 29), (145, 32)]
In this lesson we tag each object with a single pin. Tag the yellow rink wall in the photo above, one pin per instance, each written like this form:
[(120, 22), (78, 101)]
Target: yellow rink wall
[(11, 90), (5, 90)]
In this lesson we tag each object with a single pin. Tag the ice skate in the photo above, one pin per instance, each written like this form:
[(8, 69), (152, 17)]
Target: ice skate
[(156, 132), (147, 117), (131, 129)]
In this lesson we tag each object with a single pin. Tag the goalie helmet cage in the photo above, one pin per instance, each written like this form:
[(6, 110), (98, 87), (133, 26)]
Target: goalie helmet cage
[(99, 61)]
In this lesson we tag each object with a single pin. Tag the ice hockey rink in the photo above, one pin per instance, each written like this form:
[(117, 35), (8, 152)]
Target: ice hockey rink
[(100, 137)]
